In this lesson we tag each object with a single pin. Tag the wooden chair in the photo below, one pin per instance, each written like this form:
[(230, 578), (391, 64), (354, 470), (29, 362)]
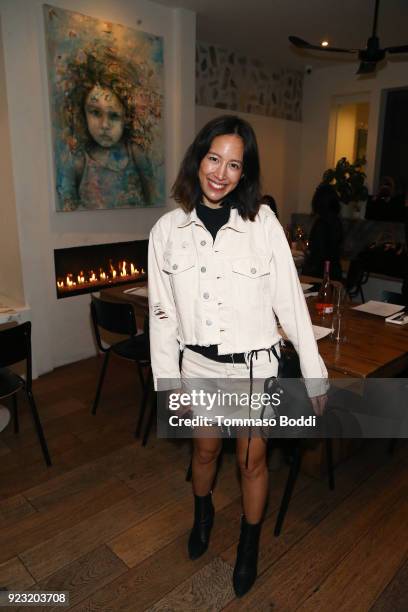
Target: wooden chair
[(15, 346)]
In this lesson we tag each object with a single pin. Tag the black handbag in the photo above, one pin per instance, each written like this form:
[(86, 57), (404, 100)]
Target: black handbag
[(294, 402)]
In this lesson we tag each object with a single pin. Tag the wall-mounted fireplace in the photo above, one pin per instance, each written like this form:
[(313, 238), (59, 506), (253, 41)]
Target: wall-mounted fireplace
[(89, 268)]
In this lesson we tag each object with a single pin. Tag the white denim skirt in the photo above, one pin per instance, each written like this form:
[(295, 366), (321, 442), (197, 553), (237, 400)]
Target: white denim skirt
[(224, 390)]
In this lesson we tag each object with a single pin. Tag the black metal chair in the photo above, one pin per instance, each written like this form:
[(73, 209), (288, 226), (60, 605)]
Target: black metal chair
[(292, 447), (119, 318), (294, 458), (15, 346), (357, 276)]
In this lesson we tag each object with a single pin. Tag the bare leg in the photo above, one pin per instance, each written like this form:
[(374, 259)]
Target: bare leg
[(205, 454), (254, 479)]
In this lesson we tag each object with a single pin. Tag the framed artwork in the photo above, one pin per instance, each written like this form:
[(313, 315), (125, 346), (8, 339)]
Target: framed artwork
[(106, 96)]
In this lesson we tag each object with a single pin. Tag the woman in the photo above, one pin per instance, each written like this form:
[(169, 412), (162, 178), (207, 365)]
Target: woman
[(219, 267), (326, 235)]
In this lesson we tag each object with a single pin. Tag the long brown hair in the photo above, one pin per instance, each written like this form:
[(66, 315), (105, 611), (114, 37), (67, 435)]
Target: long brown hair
[(245, 198)]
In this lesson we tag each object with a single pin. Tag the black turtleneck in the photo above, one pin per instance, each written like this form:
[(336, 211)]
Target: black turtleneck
[(213, 218)]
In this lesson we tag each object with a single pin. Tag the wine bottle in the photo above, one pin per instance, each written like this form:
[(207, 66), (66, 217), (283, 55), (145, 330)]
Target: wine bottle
[(325, 298)]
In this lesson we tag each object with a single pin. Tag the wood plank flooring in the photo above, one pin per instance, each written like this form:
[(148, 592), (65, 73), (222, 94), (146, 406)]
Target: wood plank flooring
[(109, 521)]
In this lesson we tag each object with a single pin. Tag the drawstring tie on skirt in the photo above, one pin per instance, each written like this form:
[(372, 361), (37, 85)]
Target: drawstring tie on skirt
[(249, 358)]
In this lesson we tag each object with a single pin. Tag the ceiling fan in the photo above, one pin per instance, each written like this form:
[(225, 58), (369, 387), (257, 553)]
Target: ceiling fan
[(369, 57)]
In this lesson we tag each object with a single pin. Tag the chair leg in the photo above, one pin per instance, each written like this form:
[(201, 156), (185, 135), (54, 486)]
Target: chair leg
[(146, 390), (38, 427), (330, 468), (290, 484), (100, 382), (15, 413), (141, 377), (152, 414)]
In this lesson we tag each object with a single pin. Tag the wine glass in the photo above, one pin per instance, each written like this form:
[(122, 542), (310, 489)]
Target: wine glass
[(339, 320)]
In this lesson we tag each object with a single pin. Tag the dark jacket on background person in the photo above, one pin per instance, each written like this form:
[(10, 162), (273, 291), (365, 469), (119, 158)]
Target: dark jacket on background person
[(326, 235)]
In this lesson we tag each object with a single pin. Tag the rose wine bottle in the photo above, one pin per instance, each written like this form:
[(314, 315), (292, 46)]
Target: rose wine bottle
[(325, 298)]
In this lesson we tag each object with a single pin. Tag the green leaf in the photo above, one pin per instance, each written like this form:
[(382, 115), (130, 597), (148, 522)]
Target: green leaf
[(348, 180)]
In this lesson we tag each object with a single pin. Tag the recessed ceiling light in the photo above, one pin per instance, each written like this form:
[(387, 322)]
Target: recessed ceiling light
[(325, 43)]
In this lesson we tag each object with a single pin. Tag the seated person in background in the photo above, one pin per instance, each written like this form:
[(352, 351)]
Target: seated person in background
[(270, 201), (326, 235), (388, 204)]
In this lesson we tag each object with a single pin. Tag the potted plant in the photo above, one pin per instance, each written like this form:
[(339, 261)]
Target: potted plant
[(349, 182)]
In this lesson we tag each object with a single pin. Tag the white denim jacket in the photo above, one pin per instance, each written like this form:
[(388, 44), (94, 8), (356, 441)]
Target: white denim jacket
[(225, 292)]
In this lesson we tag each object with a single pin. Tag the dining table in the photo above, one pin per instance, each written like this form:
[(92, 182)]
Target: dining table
[(373, 347)]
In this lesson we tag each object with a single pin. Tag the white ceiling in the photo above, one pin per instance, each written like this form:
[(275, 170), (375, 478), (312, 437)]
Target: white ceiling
[(260, 28)]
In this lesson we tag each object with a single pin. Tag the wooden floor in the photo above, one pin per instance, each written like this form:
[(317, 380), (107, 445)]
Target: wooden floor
[(109, 521)]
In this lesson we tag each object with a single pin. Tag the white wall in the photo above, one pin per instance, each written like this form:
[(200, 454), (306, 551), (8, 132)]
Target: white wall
[(279, 150), (345, 132), (61, 329), (11, 281), (320, 90)]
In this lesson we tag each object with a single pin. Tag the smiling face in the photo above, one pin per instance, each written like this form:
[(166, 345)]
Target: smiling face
[(221, 168), (105, 116)]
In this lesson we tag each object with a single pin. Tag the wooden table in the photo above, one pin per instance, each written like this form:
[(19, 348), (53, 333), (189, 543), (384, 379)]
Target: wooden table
[(373, 347)]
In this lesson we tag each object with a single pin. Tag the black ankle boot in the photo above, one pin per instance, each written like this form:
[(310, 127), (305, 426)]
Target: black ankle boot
[(203, 522), (245, 569)]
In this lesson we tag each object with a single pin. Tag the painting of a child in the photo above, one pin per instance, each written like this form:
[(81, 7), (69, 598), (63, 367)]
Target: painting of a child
[(106, 87)]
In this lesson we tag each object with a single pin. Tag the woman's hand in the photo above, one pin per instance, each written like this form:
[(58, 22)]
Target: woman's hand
[(319, 404)]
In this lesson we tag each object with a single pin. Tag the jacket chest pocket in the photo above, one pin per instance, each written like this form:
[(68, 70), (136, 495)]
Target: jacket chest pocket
[(251, 267), (251, 283), (176, 263)]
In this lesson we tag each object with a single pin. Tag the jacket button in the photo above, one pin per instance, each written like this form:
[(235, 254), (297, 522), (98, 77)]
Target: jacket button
[(206, 295), (203, 269), (208, 322), (174, 266), (253, 270), (203, 242)]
